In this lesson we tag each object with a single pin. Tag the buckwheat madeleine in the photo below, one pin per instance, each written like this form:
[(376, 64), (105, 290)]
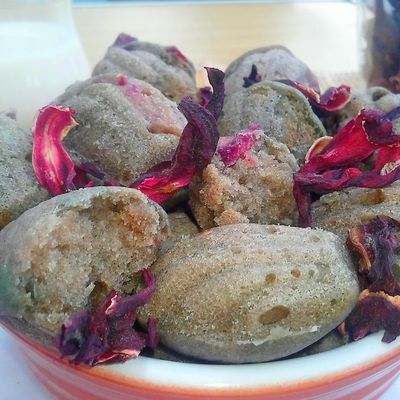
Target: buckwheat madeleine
[(250, 293), (125, 126), (19, 189), (250, 179), (164, 67), (67, 253), (271, 63), (338, 212), (280, 110)]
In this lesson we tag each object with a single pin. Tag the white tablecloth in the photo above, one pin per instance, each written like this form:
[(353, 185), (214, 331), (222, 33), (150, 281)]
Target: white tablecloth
[(18, 383)]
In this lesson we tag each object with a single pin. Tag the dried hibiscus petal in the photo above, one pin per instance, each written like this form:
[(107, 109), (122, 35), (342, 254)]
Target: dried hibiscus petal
[(337, 163), (253, 78), (231, 149), (107, 335), (216, 103), (332, 100), (205, 94), (195, 150), (374, 312), (52, 164), (82, 173), (376, 243)]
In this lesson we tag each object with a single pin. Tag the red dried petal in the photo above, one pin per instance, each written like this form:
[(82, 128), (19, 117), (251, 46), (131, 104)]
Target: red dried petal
[(82, 173), (379, 126), (108, 335), (205, 95), (332, 100), (386, 159), (376, 243), (233, 148), (317, 147), (52, 164), (374, 312), (348, 147), (195, 150), (216, 79)]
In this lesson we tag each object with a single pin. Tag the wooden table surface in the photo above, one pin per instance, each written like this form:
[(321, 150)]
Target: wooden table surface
[(324, 35)]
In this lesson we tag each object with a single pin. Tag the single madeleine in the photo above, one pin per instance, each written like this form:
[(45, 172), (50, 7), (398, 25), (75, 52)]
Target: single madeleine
[(251, 293), (280, 110), (250, 179), (272, 63), (338, 212), (164, 67), (125, 126), (69, 252)]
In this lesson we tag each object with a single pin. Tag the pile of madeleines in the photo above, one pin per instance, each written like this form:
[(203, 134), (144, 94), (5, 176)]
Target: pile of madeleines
[(237, 280)]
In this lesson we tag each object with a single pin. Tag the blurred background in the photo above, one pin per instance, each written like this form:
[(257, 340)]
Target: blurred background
[(353, 42)]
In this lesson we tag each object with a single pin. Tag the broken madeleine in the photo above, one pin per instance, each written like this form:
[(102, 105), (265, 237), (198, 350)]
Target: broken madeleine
[(249, 180), (69, 252)]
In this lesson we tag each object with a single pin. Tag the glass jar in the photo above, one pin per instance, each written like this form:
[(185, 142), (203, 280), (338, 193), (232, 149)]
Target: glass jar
[(40, 54), (381, 31)]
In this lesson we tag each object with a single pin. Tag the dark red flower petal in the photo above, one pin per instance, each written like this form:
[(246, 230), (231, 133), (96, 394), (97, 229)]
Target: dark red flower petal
[(386, 159), (233, 148), (376, 243), (348, 147), (317, 147), (82, 173), (332, 100), (379, 126), (107, 335), (197, 146), (374, 312), (254, 77), (52, 164), (216, 79), (205, 95), (194, 152)]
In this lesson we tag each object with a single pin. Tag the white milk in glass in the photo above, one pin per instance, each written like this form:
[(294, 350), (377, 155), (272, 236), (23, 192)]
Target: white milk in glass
[(38, 60)]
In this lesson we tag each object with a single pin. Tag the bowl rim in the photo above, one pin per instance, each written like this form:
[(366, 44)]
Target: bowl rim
[(368, 356)]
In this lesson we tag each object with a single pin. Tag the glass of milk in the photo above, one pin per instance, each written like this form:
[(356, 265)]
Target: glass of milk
[(40, 55)]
